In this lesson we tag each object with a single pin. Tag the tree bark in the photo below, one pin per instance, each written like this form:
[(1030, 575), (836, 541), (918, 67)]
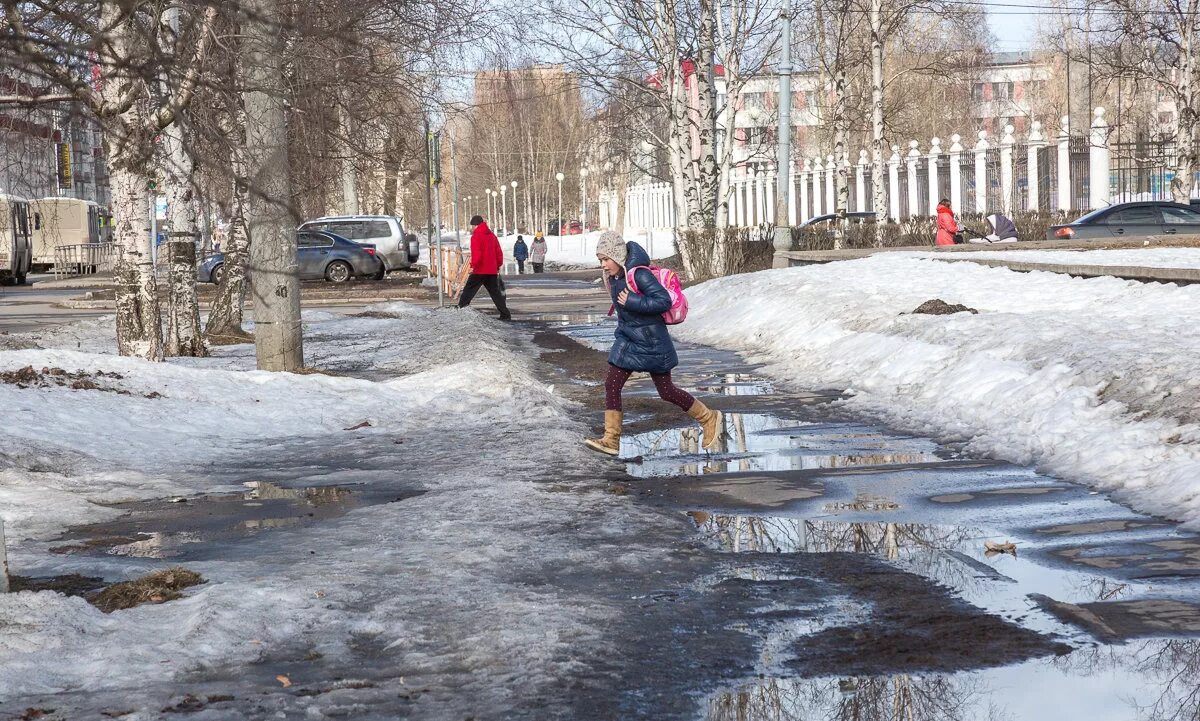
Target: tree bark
[(270, 222), (129, 148), (878, 143), (1187, 149), (183, 308)]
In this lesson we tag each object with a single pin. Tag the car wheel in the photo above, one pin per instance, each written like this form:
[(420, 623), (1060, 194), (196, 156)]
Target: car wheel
[(380, 274), (338, 272), (217, 272)]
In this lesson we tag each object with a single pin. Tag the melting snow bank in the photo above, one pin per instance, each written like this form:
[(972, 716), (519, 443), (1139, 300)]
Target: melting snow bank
[(1136, 257), (429, 586), (1091, 380)]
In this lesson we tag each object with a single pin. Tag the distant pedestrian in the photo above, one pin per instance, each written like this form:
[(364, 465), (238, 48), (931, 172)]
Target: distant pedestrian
[(537, 254), (486, 259), (520, 254), (642, 342), (948, 229)]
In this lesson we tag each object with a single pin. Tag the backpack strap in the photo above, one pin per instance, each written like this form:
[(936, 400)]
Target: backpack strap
[(630, 282)]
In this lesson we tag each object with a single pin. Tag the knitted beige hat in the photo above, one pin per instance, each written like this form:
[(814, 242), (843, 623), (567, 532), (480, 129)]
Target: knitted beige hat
[(611, 245)]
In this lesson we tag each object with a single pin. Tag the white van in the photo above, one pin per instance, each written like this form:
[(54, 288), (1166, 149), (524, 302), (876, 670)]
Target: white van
[(399, 250), (16, 244)]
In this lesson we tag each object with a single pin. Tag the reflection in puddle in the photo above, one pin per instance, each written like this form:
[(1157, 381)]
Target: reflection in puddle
[(158, 529), (737, 384), (760, 442), (1154, 681)]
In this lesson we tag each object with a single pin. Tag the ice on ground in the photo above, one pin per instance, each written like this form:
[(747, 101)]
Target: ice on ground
[(1137, 257), (431, 584), (1092, 380)]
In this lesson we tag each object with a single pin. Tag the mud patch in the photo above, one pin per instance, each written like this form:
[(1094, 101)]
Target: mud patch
[(157, 587), (72, 584), (1123, 620), (937, 306), (29, 377)]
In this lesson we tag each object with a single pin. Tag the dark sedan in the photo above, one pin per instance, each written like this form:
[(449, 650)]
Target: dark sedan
[(319, 255), (1131, 220), (829, 218)]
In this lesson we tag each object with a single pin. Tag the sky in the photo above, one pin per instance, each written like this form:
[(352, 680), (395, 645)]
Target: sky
[(1013, 28)]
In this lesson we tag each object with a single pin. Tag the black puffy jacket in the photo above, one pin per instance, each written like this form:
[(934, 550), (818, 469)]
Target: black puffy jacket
[(643, 343)]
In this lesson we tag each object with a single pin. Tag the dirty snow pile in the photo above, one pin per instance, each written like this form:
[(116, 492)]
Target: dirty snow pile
[(427, 586), (1136, 257), (1093, 380)]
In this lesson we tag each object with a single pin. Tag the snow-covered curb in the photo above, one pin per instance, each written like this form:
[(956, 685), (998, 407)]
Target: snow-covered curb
[(1133, 257), (1092, 380)]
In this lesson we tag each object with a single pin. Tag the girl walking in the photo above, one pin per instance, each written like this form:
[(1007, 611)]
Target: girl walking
[(642, 342)]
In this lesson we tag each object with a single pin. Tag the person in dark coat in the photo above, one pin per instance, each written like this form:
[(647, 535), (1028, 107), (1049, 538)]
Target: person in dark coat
[(643, 343), (520, 253), (486, 259)]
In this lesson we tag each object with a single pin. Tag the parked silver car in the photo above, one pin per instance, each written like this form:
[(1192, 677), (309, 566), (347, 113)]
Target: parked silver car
[(397, 249), (320, 255)]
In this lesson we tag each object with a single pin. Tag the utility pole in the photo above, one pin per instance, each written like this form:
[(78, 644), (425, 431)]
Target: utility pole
[(433, 151), (454, 180), (270, 223), (559, 177), (783, 142)]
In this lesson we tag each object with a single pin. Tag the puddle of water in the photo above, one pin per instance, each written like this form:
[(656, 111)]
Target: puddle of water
[(754, 442), (1155, 680), (161, 529)]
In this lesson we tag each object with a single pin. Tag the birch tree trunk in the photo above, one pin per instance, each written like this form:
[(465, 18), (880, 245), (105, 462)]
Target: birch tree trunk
[(225, 316), (1188, 152), (270, 223), (841, 132), (129, 147), (183, 308), (878, 144)]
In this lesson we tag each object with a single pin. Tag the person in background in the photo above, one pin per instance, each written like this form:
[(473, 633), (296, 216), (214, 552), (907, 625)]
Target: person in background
[(537, 254), (486, 259), (947, 227), (520, 254)]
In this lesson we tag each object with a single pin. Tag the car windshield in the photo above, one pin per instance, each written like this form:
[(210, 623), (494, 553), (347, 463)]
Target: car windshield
[(1092, 216)]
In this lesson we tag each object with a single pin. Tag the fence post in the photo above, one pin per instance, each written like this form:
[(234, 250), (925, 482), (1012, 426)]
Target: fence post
[(894, 183), (791, 193), (860, 182), (830, 192), (1098, 160), (817, 182), (1064, 164), (914, 155), (1037, 141), (760, 198), (770, 178), (981, 179), (3, 561), (935, 152), (1006, 169), (956, 148), (804, 186)]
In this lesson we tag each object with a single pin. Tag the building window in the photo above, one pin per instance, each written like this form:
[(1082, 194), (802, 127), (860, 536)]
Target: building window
[(1002, 91), (753, 101), (977, 92)]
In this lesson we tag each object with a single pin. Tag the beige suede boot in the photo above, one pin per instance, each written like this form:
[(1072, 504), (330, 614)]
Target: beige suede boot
[(710, 422), (610, 443)]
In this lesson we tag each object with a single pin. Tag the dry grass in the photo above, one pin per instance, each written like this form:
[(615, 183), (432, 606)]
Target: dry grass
[(157, 587)]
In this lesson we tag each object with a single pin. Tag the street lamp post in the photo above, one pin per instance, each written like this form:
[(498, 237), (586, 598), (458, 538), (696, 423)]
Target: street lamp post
[(490, 216), (503, 210), (516, 222), (559, 177), (583, 173)]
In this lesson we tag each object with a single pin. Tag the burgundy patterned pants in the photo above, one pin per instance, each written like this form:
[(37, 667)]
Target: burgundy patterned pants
[(667, 390)]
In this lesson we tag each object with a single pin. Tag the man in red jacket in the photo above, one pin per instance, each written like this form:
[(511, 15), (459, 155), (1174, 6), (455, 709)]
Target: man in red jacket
[(486, 259)]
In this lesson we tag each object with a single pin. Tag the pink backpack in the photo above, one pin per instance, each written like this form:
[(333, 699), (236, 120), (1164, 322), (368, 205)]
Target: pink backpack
[(669, 279)]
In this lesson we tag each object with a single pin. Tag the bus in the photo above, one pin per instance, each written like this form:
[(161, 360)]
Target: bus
[(16, 242), (65, 221)]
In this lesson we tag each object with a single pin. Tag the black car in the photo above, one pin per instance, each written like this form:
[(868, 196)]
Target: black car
[(1131, 220), (829, 218)]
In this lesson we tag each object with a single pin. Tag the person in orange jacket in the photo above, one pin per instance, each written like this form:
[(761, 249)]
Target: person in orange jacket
[(947, 226), (486, 259)]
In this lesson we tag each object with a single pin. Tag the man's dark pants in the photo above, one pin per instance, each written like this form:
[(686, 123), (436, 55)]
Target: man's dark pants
[(492, 283)]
